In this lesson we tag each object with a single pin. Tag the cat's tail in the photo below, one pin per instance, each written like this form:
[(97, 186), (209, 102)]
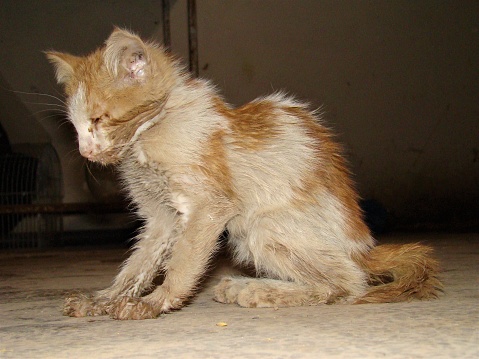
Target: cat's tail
[(400, 273)]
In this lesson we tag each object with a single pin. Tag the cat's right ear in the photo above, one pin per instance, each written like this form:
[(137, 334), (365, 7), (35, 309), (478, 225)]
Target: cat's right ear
[(64, 65), (126, 57)]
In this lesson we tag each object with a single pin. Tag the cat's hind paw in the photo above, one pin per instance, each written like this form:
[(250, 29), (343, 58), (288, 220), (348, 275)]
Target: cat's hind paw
[(226, 291), (237, 290), (269, 293)]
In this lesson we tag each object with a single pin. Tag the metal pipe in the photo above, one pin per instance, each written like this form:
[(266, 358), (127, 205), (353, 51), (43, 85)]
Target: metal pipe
[(193, 38), (166, 24)]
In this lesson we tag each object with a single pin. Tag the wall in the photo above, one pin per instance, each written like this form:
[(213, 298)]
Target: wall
[(397, 80)]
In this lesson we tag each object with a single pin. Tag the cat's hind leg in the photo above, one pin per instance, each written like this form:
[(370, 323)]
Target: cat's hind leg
[(267, 293), (299, 263)]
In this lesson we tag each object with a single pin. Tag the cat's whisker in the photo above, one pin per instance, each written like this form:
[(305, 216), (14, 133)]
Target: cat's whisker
[(60, 122), (56, 109), (87, 165), (39, 94), (52, 112), (63, 123), (45, 104), (60, 94), (57, 115), (71, 156)]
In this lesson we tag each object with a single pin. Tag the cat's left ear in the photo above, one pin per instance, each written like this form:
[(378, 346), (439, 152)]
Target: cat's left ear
[(126, 56), (64, 65)]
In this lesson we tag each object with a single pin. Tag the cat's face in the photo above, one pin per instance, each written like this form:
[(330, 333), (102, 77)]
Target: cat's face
[(112, 92)]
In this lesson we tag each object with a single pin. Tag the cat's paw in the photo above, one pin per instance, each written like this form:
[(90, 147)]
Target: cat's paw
[(129, 308), (269, 293), (243, 292), (82, 305), (166, 301), (228, 290)]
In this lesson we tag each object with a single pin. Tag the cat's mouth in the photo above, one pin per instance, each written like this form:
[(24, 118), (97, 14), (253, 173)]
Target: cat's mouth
[(104, 158)]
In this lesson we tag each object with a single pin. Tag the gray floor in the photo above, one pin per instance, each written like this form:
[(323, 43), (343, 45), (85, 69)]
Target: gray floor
[(31, 326)]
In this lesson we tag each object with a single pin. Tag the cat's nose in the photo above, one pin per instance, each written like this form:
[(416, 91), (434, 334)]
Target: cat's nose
[(86, 152)]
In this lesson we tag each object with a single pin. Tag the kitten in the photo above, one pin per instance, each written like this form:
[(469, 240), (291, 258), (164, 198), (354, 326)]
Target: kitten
[(269, 172)]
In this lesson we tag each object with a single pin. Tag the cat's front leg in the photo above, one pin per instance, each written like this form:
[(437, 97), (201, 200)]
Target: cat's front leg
[(189, 259), (136, 274)]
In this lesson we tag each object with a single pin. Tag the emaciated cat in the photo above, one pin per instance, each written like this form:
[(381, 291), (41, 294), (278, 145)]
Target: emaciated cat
[(269, 172)]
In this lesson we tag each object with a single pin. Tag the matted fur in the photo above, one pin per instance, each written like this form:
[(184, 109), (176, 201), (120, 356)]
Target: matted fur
[(269, 172)]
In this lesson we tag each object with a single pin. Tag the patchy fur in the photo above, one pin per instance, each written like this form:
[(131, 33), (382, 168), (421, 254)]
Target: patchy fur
[(269, 172)]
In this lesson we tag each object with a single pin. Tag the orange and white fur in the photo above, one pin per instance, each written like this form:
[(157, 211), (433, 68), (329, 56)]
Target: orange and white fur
[(268, 172)]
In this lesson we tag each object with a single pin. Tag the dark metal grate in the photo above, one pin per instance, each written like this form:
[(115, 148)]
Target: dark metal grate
[(29, 176)]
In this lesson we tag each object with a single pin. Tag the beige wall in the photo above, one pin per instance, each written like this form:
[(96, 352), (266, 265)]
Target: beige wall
[(399, 80)]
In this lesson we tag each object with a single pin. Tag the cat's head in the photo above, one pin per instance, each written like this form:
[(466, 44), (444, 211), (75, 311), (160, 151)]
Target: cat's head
[(114, 91)]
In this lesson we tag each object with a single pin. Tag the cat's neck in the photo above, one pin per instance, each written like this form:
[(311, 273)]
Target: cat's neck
[(189, 93), (187, 118)]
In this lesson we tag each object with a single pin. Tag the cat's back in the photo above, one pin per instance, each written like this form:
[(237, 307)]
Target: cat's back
[(276, 147)]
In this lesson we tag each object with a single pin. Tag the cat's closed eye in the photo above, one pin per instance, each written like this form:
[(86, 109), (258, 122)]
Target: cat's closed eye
[(96, 120)]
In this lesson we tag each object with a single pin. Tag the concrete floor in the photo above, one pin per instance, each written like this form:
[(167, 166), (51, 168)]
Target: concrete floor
[(31, 325)]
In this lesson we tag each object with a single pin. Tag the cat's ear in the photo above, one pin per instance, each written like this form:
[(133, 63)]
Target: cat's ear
[(64, 65), (126, 56)]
